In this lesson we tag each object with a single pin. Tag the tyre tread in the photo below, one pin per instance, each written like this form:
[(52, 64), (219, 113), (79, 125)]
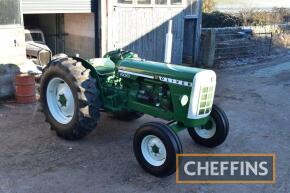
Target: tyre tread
[(89, 104)]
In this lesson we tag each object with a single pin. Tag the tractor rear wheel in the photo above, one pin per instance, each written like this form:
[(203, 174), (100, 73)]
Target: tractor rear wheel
[(155, 147), (214, 132), (69, 98)]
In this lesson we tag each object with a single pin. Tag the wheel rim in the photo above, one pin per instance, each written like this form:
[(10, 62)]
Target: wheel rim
[(60, 100), (205, 132), (153, 150)]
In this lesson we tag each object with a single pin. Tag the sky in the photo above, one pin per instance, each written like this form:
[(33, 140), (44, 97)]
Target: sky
[(220, 4)]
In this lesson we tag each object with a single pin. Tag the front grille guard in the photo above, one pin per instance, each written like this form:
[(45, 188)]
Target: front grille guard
[(202, 94)]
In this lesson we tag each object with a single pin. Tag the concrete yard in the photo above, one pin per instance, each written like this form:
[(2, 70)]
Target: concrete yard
[(33, 159)]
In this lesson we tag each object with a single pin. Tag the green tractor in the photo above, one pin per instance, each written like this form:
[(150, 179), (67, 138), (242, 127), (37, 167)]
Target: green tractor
[(74, 92)]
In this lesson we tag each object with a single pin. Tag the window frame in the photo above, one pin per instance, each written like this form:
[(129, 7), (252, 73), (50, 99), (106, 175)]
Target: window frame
[(153, 4)]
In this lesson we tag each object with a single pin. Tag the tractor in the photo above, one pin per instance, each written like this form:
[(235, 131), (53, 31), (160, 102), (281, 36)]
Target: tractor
[(74, 91)]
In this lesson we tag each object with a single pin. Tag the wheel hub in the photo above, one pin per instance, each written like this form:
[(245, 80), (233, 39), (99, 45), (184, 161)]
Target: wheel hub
[(60, 100), (153, 150)]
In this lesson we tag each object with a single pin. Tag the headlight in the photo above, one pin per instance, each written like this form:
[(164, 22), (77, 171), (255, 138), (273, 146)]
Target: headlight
[(184, 100)]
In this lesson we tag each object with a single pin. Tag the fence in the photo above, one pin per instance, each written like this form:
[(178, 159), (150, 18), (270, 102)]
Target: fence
[(222, 44), (241, 45)]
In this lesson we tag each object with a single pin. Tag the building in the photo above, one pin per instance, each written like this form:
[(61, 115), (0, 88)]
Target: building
[(91, 28), (68, 25)]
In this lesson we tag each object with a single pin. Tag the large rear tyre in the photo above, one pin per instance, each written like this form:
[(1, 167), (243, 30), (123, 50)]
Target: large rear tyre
[(215, 132), (69, 98), (155, 147)]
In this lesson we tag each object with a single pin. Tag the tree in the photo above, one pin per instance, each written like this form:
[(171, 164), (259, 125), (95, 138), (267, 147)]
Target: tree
[(208, 6)]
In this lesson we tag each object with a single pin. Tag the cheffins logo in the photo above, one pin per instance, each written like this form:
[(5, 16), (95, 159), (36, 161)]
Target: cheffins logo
[(226, 168)]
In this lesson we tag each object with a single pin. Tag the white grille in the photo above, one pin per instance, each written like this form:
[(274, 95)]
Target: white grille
[(202, 94), (205, 100)]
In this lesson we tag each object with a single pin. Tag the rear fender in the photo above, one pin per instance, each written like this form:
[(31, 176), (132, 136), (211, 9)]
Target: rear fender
[(87, 65)]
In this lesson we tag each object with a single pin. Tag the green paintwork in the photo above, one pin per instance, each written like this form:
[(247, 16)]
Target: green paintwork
[(62, 100), (104, 69), (132, 92), (159, 69), (155, 149)]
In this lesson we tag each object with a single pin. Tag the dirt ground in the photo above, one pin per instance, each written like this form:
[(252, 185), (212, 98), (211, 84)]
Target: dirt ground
[(34, 160)]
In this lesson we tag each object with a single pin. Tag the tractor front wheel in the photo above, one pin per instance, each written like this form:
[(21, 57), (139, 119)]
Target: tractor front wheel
[(69, 98), (214, 132), (155, 147)]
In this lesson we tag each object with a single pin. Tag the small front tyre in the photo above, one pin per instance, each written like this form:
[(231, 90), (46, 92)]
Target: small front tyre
[(215, 132), (155, 147)]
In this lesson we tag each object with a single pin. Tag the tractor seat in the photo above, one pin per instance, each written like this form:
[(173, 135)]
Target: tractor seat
[(103, 66)]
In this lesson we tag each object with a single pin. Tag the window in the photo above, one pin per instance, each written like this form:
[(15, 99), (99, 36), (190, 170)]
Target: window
[(10, 12), (161, 2), (150, 3), (125, 1), (33, 37), (176, 2), (144, 2)]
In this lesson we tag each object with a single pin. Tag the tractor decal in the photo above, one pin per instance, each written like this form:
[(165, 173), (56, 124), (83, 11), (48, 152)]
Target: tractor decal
[(174, 81)]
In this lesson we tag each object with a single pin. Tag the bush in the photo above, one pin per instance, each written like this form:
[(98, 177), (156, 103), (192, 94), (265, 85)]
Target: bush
[(218, 19), (263, 17)]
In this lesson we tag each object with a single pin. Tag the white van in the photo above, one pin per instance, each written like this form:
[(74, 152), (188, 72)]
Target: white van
[(12, 47)]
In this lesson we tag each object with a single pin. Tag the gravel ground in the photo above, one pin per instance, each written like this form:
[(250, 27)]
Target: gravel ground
[(34, 160)]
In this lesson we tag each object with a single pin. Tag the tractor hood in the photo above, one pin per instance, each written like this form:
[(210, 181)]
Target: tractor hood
[(156, 70)]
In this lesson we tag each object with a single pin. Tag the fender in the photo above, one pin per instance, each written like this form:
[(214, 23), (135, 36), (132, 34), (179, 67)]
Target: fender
[(87, 65)]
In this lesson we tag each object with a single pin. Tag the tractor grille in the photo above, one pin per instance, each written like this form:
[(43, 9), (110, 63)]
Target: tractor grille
[(202, 94), (206, 99)]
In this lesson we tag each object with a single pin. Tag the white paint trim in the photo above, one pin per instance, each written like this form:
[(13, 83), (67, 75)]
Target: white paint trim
[(203, 78), (136, 74)]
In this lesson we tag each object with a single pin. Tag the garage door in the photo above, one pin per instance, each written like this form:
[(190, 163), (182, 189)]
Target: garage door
[(58, 6)]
